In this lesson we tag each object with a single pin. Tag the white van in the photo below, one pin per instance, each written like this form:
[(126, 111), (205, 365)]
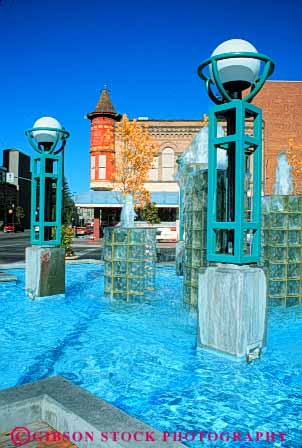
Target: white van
[(166, 233)]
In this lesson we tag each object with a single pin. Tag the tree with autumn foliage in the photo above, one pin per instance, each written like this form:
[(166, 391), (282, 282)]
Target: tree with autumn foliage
[(294, 159), (134, 158)]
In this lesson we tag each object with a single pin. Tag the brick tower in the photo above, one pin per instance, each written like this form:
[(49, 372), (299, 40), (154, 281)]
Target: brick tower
[(102, 142)]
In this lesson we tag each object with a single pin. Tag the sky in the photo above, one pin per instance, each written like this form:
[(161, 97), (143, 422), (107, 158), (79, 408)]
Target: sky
[(57, 55)]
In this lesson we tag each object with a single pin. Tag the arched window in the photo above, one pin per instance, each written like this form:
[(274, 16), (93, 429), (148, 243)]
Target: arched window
[(167, 164), (153, 172)]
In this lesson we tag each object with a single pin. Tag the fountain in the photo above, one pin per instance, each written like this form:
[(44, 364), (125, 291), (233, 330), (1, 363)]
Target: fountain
[(128, 214), (282, 238), (193, 180), (284, 179), (129, 257)]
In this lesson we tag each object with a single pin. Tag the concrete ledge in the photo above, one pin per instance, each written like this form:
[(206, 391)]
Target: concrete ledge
[(83, 261), (17, 265), (69, 408)]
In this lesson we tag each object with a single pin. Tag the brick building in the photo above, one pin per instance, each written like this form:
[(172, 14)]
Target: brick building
[(172, 137), (281, 102)]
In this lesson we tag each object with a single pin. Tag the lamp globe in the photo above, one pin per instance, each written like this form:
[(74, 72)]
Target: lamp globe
[(236, 74), (46, 135)]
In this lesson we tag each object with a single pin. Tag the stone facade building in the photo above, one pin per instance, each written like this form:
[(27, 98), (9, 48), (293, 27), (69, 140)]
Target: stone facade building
[(171, 136), (281, 102)]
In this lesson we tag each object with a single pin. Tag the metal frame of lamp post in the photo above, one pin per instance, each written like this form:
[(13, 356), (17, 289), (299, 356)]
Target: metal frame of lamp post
[(44, 176), (236, 238)]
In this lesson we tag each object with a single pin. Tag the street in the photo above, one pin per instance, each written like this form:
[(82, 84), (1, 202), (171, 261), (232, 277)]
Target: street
[(12, 247)]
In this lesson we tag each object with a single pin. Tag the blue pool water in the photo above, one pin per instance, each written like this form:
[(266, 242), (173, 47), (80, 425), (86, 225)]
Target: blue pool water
[(142, 358)]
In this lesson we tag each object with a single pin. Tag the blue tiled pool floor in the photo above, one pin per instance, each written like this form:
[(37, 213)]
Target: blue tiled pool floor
[(142, 357)]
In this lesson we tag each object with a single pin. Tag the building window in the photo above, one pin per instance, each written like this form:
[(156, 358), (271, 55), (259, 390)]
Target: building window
[(153, 172), (102, 167), (168, 164), (92, 168)]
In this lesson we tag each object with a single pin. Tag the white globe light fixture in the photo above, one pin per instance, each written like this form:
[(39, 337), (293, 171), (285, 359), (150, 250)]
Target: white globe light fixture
[(46, 135), (47, 181), (233, 70), (234, 67), (236, 73)]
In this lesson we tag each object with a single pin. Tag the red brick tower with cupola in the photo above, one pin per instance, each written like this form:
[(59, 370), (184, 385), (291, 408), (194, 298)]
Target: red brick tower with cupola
[(102, 143)]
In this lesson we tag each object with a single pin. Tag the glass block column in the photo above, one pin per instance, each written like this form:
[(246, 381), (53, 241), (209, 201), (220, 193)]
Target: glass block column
[(195, 224), (195, 212), (130, 262), (282, 248)]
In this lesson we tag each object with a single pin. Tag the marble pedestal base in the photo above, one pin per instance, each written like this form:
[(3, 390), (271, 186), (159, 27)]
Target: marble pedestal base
[(45, 271), (232, 310)]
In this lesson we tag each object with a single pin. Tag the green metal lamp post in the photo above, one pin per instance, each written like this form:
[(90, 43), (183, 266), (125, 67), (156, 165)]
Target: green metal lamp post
[(45, 259), (233, 68), (48, 138), (232, 289)]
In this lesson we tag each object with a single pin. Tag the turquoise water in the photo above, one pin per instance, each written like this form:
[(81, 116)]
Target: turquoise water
[(142, 358)]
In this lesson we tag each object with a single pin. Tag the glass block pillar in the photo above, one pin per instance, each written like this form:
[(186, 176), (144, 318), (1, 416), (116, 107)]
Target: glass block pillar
[(130, 262), (282, 248), (195, 226), (195, 209)]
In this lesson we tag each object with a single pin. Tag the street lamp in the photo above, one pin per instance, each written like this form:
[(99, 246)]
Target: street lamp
[(232, 296), (48, 138), (234, 67)]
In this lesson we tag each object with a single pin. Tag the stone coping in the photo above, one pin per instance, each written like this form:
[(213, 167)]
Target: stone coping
[(4, 277), (69, 408)]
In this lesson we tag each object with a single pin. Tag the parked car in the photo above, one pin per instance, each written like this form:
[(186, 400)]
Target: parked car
[(79, 231), (166, 231), (89, 229), (167, 234), (9, 228)]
